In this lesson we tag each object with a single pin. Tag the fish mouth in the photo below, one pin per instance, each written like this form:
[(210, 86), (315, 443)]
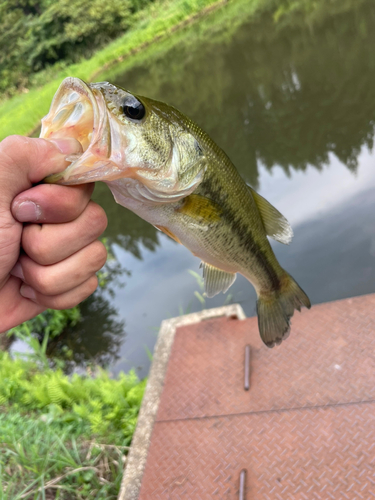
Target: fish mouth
[(79, 111)]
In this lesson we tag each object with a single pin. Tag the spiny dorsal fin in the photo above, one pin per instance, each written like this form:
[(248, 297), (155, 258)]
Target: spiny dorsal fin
[(275, 224), (216, 280)]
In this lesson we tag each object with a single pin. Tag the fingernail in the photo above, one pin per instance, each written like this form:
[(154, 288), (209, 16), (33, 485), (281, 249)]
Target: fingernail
[(27, 292), (17, 271), (68, 146), (27, 211)]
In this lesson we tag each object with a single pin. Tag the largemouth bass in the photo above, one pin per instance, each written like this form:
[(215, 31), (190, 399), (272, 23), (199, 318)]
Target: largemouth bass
[(167, 170)]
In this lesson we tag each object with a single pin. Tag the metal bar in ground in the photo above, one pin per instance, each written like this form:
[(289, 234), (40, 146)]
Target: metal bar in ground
[(247, 368), (241, 495)]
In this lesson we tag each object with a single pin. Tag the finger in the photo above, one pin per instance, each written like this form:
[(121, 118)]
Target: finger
[(65, 300), (63, 276), (15, 309), (49, 244), (26, 161), (49, 203)]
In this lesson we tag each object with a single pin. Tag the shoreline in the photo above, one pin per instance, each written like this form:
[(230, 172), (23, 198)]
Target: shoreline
[(182, 24), (21, 114)]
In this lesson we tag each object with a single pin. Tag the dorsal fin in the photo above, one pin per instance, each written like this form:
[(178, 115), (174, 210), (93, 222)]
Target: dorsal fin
[(275, 224), (216, 280)]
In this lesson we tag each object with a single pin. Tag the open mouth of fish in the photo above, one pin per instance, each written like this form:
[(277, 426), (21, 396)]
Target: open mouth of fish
[(79, 111)]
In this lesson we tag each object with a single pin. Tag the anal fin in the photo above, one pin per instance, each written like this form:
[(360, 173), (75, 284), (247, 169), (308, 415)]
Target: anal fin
[(216, 280)]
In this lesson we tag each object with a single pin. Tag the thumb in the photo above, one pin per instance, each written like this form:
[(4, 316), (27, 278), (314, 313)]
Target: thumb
[(25, 161)]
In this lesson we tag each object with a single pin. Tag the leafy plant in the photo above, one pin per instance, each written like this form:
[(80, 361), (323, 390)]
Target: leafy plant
[(37, 34), (200, 282), (200, 294), (60, 433), (49, 322)]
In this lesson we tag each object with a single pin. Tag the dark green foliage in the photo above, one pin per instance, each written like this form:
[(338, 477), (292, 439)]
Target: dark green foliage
[(69, 28), (36, 34)]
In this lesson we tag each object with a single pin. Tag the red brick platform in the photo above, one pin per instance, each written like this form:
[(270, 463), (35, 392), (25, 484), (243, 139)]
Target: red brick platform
[(304, 430)]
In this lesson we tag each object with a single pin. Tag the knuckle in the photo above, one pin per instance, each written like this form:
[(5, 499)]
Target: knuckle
[(63, 303), (12, 141), (9, 145), (72, 299), (23, 150), (97, 218), (99, 255), (35, 246), (60, 303), (45, 149), (43, 282), (92, 285)]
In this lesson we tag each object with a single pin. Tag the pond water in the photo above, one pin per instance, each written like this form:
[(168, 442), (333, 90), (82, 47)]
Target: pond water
[(291, 100)]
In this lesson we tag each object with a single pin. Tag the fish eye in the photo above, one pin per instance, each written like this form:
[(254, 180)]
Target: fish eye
[(134, 109)]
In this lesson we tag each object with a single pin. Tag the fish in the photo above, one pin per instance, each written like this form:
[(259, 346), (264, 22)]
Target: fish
[(165, 168)]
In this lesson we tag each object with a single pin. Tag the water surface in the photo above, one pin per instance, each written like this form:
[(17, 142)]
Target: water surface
[(292, 102)]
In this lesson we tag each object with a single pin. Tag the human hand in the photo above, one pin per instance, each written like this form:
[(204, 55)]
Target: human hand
[(60, 252)]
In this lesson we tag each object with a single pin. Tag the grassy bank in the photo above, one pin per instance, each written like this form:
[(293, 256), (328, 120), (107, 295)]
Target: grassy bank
[(63, 437), (211, 30), (158, 24), (20, 114)]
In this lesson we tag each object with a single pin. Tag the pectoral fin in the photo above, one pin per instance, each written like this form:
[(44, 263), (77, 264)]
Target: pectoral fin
[(200, 208), (169, 233), (216, 280), (275, 224)]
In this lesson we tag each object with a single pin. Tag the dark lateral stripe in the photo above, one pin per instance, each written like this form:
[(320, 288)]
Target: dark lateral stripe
[(244, 233)]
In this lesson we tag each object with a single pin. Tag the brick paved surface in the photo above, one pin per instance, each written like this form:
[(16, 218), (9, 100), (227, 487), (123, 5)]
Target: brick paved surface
[(318, 453), (329, 357), (304, 430)]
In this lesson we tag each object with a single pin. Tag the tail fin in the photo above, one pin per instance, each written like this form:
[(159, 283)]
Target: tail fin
[(275, 310)]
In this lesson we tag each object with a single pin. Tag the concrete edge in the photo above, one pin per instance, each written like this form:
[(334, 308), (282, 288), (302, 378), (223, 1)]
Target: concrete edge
[(136, 460)]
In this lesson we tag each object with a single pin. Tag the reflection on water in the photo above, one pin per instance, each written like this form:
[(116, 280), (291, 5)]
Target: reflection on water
[(96, 340), (292, 102), (284, 94)]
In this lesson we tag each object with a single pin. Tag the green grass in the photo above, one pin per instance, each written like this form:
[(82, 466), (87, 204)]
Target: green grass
[(21, 113), (40, 458), (63, 437)]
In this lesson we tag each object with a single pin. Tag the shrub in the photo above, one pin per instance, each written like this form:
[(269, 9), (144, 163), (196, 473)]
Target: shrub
[(107, 407), (36, 34)]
